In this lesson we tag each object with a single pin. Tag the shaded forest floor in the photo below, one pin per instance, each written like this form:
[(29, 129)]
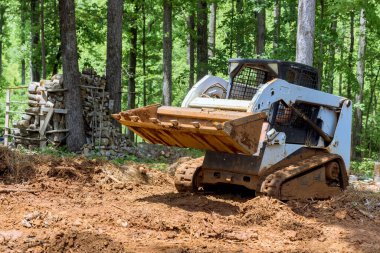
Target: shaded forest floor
[(50, 204)]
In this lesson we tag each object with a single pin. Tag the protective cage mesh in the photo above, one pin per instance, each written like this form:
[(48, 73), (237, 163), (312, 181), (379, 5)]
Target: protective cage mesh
[(245, 83), (302, 77), (296, 129), (286, 117)]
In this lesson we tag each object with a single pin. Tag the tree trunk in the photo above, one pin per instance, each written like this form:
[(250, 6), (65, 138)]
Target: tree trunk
[(260, 37), (232, 28), (114, 55), (202, 54), (191, 47), (305, 32), (350, 55), (132, 65), (71, 76), (212, 30), (341, 73), (167, 53), (331, 70), (239, 29), (358, 115), (35, 61), (43, 50), (57, 59), (144, 53), (277, 25), (372, 94), (2, 21), (22, 30), (320, 59)]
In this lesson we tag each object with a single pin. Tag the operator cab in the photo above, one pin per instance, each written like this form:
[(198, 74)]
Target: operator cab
[(246, 75)]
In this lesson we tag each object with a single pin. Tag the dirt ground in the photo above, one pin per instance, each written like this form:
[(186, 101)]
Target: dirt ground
[(77, 205)]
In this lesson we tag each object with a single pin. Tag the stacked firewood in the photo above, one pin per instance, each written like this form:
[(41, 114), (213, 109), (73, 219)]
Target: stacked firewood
[(102, 137), (44, 121)]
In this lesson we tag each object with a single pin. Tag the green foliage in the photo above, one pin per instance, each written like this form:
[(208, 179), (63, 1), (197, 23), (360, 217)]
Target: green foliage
[(56, 151), (363, 168), (232, 28)]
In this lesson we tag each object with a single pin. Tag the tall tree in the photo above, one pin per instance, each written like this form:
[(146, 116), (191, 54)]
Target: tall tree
[(57, 59), (202, 52), (114, 57), (23, 12), (331, 70), (2, 23), (212, 30), (277, 24), (132, 63), (143, 42), (239, 36), (260, 36), (358, 115), (320, 58), (340, 87), (71, 76), (191, 47), (305, 32), (232, 29), (371, 97), (35, 61), (167, 53), (350, 55), (43, 49)]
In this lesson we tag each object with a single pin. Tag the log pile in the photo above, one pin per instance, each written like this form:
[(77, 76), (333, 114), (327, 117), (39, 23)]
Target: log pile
[(102, 137), (44, 121)]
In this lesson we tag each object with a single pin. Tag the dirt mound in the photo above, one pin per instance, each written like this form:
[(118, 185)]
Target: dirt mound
[(15, 167), (80, 169), (352, 204), (74, 241), (262, 210), (265, 211)]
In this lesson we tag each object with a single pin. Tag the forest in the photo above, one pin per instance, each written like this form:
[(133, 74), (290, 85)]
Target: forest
[(157, 49), (257, 159)]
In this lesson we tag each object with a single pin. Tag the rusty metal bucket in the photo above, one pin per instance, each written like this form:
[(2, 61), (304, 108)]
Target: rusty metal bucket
[(208, 129)]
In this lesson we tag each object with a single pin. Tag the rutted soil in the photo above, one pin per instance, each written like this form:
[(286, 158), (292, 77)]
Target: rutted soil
[(77, 205)]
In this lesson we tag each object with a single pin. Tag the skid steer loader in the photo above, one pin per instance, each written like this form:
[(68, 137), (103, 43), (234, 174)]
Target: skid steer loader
[(269, 129)]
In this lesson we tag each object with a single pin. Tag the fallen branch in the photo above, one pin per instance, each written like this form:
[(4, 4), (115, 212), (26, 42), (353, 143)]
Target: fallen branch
[(369, 215), (119, 208)]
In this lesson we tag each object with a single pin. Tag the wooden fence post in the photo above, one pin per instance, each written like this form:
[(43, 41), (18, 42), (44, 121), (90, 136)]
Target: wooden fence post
[(7, 110)]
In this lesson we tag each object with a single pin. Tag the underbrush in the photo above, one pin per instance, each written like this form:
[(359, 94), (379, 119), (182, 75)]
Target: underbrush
[(15, 166), (363, 168)]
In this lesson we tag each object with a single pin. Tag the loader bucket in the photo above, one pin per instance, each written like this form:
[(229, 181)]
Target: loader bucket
[(208, 129)]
